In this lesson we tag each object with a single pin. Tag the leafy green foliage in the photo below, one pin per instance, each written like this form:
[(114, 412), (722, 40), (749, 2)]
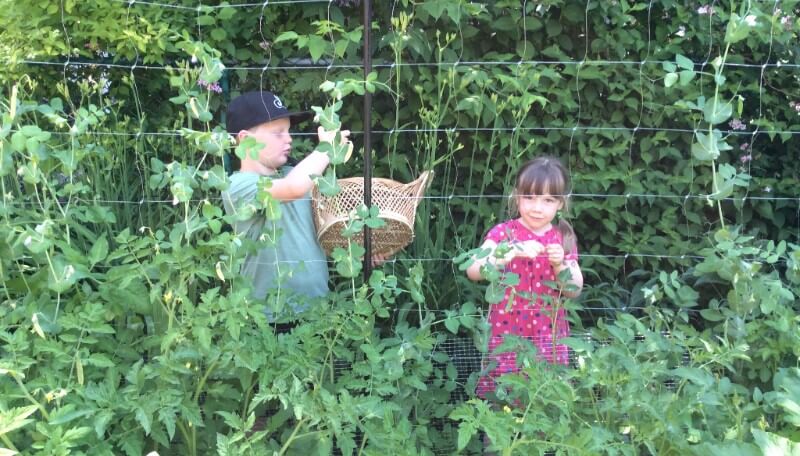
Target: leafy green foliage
[(126, 328)]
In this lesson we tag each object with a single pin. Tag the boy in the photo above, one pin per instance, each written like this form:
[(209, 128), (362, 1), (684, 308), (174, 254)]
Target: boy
[(291, 263)]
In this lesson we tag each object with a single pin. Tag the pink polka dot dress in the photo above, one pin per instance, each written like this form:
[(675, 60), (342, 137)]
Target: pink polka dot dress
[(528, 315)]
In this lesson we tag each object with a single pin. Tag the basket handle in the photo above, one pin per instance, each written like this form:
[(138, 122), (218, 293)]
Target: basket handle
[(420, 185)]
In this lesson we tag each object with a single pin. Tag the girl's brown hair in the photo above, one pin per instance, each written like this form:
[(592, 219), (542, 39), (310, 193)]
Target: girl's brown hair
[(546, 176)]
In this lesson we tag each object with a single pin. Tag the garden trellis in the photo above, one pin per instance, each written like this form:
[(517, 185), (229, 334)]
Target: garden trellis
[(616, 89)]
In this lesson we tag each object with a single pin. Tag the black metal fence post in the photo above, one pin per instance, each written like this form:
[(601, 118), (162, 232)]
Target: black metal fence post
[(367, 138)]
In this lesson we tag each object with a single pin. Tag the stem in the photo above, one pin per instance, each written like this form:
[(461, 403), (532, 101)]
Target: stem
[(363, 444), (202, 381), (184, 433), (8, 443), (291, 437), (716, 189), (714, 184), (29, 397)]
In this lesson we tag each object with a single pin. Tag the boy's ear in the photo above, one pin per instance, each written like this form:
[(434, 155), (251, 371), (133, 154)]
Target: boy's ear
[(241, 135)]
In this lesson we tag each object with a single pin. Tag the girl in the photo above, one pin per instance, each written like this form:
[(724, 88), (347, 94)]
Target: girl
[(538, 246)]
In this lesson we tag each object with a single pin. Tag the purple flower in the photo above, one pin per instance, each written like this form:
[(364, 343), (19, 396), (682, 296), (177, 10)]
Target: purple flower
[(213, 86), (737, 124), (744, 146), (745, 158)]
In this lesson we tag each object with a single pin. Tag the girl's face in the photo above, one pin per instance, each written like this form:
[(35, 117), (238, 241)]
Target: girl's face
[(537, 212)]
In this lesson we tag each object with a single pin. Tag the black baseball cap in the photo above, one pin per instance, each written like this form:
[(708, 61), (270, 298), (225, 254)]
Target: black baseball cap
[(254, 108)]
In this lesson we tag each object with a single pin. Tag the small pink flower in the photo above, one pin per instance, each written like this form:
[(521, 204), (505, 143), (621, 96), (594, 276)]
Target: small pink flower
[(746, 158), (786, 22), (737, 124), (744, 146)]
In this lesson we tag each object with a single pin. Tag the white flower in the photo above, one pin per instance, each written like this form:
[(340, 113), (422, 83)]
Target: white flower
[(705, 9), (681, 31), (750, 20)]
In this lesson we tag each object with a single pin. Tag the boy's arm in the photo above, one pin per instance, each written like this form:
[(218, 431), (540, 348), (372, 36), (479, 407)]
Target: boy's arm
[(298, 182)]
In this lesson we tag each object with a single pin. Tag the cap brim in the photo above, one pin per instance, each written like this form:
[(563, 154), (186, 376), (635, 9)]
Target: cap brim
[(297, 117)]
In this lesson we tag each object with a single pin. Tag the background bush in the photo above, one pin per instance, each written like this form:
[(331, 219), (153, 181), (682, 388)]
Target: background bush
[(125, 328)]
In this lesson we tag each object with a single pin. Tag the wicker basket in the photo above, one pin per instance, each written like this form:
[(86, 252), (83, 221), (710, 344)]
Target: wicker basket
[(397, 203)]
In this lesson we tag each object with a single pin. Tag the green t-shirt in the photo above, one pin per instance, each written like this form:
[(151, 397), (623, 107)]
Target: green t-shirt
[(289, 257)]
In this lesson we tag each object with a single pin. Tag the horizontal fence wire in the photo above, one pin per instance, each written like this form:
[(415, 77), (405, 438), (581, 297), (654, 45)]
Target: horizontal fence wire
[(434, 198), (205, 8), (575, 129), (286, 66)]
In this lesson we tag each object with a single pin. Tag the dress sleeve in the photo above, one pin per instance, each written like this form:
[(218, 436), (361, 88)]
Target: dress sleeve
[(498, 234), (573, 255)]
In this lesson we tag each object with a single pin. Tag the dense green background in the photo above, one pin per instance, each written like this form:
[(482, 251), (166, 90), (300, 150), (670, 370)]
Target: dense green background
[(100, 268)]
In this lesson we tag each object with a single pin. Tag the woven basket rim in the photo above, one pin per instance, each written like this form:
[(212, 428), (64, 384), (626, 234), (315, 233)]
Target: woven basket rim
[(404, 214)]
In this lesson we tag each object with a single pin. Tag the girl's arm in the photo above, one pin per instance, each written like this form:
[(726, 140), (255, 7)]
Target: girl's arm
[(576, 278), (555, 253), (474, 270)]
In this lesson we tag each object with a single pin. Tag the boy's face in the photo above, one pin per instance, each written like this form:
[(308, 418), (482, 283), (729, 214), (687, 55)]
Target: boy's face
[(276, 139)]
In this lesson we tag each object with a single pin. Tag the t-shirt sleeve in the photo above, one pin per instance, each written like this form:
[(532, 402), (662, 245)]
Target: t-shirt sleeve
[(241, 192)]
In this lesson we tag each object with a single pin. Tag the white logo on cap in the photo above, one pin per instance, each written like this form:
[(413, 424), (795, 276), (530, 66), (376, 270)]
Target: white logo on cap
[(278, 103)]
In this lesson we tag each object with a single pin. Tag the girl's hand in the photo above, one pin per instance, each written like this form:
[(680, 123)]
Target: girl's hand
[(512, 253), (555, 254), (531, 249)]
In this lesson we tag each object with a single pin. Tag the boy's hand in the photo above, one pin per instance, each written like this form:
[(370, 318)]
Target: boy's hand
[(330, 136), (555, 254), (378, 259), (349, 151)]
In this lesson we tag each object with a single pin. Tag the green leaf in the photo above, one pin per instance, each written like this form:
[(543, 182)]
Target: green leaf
[(144, 420), (435, 7), (737, 29), (705, 147), (716, 111), (686, 77), (205, 20), (774, 444), (684, 62), (670, 79), (63, 274), (465, 433), (219, 34), (15, 418), (286, 36), (99, 251), (316, 47), (452, 325), (327, 184)]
